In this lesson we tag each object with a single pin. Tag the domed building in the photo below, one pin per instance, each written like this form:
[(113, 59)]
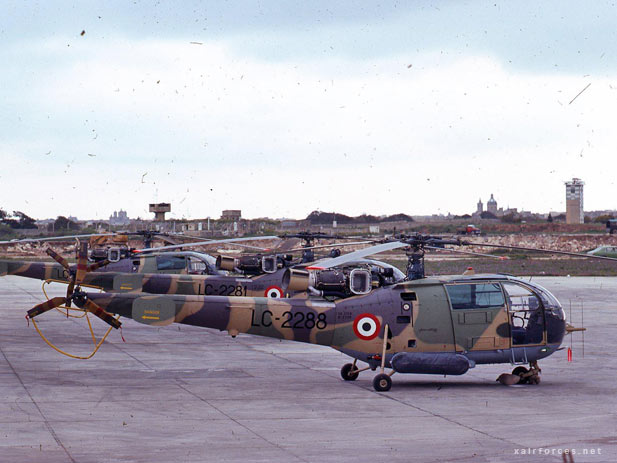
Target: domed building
[(491, 205)]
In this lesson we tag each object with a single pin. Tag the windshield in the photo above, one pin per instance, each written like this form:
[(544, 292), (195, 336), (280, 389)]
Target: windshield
[(550, 302)]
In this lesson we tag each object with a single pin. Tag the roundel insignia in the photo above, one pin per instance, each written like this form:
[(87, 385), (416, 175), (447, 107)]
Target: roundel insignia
[(366, 326), (274, 291)]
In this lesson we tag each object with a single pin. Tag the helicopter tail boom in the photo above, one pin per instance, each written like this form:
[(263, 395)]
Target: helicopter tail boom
[(37, 270)]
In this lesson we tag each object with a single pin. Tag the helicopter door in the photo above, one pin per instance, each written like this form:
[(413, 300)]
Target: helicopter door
[(428, 312), (479, 316), (526, 315)]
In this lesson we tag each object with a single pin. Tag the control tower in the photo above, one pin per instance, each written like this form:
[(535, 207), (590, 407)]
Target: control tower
[(159, 210), (574, 201)]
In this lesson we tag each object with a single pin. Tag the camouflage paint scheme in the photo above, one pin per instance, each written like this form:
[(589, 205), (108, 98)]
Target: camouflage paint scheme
[(155, 283), (418, 313)]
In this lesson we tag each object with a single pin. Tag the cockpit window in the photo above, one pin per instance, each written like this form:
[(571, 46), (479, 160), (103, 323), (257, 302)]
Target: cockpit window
[(170, 262), (551, 304), (475, 296), (527, 318), (197, 266)]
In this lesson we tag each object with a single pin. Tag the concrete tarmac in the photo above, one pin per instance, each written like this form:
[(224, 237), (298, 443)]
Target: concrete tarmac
[(186, 394)]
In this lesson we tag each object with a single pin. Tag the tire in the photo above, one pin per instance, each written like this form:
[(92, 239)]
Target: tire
[(346, 372), (382, 382), (519, 371)]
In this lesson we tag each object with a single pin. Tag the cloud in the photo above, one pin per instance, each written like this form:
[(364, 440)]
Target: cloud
[(216, 129)]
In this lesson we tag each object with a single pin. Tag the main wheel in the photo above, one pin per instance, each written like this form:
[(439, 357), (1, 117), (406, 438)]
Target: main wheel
[(382, 382), (348, 373), (520, 371)]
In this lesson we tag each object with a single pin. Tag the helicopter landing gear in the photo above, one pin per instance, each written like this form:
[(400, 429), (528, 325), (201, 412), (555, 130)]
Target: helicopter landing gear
[(382, 382), (528, 376), (521, 372), (350, 372), (522, 375), (533, 375)]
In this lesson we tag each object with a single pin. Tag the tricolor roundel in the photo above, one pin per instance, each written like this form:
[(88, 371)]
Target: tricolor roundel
[(274, 291), (366, 326)]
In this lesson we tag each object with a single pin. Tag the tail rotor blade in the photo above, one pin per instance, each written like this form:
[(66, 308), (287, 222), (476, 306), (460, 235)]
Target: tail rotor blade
[(69, 292), (45, 306), (95, 309), (82, 262), (57, 257)]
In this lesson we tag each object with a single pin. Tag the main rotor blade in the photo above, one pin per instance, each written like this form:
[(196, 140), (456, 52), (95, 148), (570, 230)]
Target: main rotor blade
[(204, 243), (547, 251), (334, 245), (177, 235), (57, 257), (95, 309), (335, 262), (45, 306), (54, 238), (248, 246), (286, 244), (467, 252), (209, 241)]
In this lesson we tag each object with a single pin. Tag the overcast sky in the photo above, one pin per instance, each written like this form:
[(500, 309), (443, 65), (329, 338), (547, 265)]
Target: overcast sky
[(280, 108)]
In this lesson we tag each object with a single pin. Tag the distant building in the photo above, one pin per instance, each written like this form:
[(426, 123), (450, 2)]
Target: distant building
[(574, 201), (289, 223), (480, 208), (491, 205), (231, 214), (119, 218)]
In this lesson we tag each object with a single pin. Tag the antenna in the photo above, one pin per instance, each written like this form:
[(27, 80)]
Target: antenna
[(583, 325)]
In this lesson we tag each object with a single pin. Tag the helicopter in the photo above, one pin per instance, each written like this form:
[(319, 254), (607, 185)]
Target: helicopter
[(114, 250), (606, 251), (442, 325), (163, 271)]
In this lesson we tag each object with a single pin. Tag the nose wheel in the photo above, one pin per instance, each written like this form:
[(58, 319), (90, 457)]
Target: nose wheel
[(522, 375)]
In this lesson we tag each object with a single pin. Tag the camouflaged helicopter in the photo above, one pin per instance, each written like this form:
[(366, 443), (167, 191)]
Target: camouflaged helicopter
[(442, 325), (162, 270), (113, 249)]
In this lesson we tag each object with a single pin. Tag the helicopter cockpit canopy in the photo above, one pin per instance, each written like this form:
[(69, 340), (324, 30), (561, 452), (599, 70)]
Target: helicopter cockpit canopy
[(193, 262), (550, 302), (532, 308)]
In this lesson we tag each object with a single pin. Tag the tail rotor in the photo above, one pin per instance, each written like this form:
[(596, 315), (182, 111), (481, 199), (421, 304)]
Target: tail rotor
[(73, 290)]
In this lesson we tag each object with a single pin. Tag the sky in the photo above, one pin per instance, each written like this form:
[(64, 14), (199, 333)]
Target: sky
[(282, 108)]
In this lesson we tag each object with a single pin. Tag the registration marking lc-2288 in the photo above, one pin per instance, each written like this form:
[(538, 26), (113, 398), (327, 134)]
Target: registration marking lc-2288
[(295, 320)]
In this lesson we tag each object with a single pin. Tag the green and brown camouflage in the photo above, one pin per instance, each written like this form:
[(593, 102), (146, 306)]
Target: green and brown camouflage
[(423, 326), (410, 323), (155, 283), (37, 270)]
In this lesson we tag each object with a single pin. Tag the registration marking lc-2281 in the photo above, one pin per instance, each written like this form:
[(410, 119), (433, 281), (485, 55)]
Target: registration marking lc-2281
[(223, 290), (295, 320)]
